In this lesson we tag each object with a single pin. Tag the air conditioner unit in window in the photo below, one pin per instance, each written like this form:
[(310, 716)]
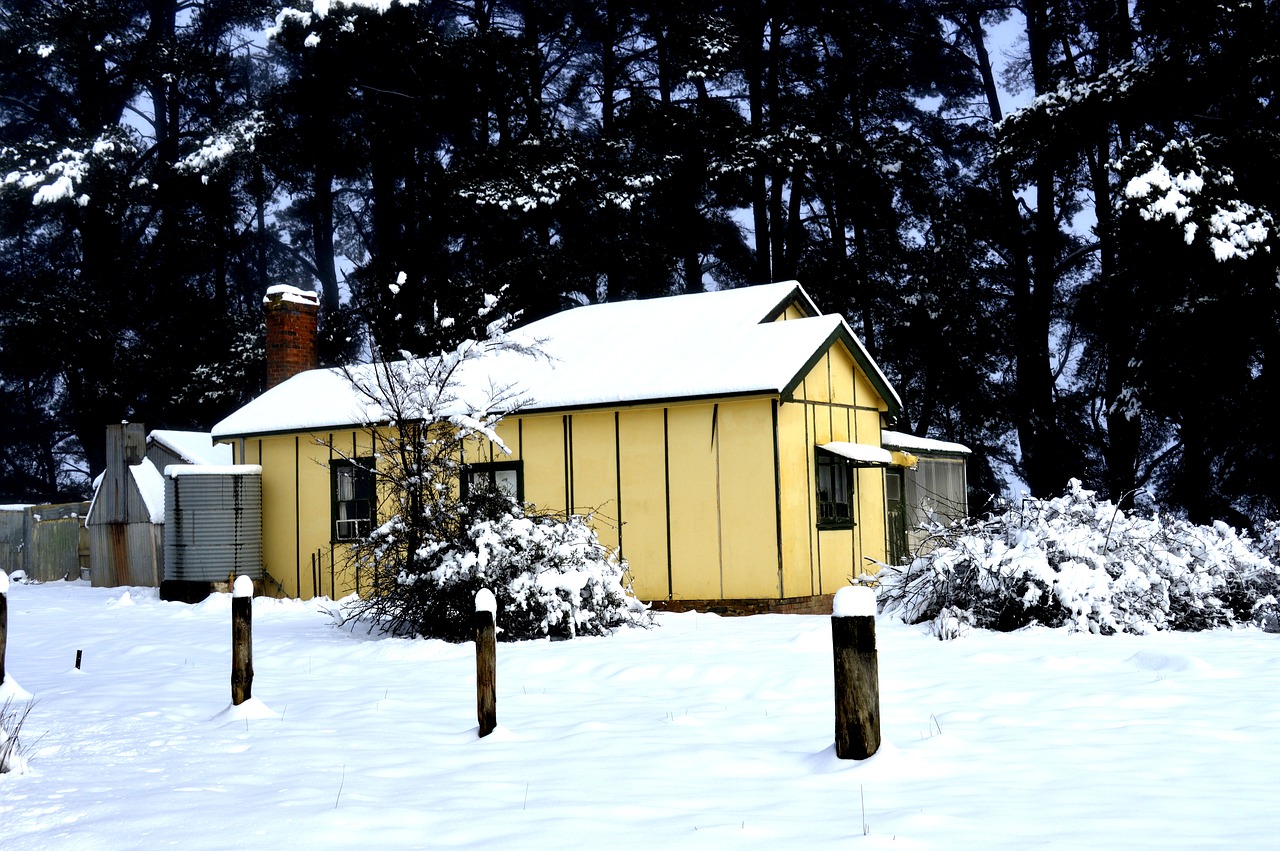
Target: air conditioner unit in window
[(350, 529)]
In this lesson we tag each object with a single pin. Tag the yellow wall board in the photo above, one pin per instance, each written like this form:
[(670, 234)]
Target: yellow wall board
[(867, 395), (838, 550), (872, 523), (748, 504), (279, 512), (793, 311), (544, 461), (866, 426), (695, 520), (843, 372), (509, 430), (818, 381), (594, 469), (795, 451), (643, 508)]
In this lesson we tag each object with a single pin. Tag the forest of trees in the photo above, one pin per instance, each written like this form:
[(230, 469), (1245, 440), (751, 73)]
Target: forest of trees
[(1086, 286)]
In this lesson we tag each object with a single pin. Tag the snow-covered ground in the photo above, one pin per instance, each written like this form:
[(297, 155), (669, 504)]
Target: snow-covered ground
[(704, 732)]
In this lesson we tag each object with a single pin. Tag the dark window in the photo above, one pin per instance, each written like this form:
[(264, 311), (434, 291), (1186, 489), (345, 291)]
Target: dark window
[(506, 477), (835, 490), (352, 489)]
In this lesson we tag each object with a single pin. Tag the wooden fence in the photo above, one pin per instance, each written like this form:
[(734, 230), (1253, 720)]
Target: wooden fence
[(48, 542)]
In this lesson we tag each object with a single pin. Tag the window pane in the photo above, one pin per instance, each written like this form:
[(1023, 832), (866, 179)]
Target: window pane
[(505, 481), (362, 483), (346, 487), (834, 483), (892, 485)]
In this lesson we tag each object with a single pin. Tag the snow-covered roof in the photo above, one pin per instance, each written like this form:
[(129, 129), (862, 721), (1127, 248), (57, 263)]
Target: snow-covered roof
[(702, 345), (195, 447), (911, 443), (176, 471), (150, 486)]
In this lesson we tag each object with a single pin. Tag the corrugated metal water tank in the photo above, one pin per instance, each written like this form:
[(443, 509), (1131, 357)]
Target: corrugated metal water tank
[(213, 522)]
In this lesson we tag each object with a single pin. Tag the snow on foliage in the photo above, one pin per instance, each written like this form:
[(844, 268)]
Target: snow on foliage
[(1081, 562), (1106, 87), (711, 47), (320, 10), (529, 185), (1178, 183), (240, 136), (549, 575), (53, 173)]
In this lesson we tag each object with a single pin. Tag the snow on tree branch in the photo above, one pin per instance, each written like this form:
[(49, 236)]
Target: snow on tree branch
[(320, 10), (710, 49), (240, 136), (1071, 94), (530, 186), (57, 175), (1179, 183), (453, 386)]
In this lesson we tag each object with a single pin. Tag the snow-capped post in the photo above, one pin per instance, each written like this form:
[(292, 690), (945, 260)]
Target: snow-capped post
[(4, 619), (241, 640), (857, 672), (486, 661)]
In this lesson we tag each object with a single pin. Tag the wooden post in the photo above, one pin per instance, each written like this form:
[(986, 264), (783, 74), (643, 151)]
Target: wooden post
[(241, 640), (857, 673), (486, 661), (4, 619)]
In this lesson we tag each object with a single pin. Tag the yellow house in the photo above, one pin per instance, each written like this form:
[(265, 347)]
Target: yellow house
[(727, 443)]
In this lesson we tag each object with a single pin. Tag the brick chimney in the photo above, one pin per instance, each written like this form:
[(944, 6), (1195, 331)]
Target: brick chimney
[(291, 332)]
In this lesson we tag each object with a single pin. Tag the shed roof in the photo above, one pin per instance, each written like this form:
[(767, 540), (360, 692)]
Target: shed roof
[(150, 486), (922, 445), (195, 447), (702, 345)]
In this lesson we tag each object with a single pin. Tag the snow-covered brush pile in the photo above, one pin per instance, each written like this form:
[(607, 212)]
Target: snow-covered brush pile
[(551, 577), (1081, 562)]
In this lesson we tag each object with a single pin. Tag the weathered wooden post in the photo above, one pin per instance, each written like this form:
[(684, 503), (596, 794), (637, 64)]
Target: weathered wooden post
[(857, 670), (241, 640), (4, 619), (486, 661)]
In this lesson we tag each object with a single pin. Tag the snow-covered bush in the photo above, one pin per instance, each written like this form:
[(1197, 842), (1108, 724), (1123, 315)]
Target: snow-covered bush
[(1081, 562), (550, 575)]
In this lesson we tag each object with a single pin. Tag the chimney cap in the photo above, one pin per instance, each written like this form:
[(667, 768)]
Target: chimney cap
[(285, 292)]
